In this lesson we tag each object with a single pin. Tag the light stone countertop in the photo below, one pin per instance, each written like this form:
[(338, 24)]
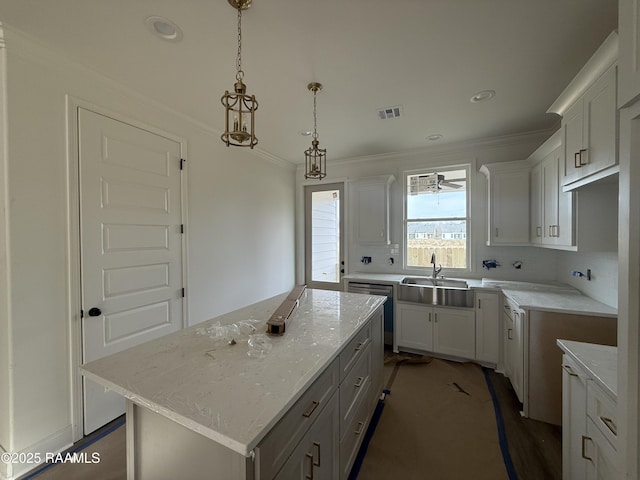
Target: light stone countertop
[(599, 361), (547, 297), (217, 389)]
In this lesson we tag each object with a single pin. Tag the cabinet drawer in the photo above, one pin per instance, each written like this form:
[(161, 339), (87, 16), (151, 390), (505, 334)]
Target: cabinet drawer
[(601, 408), (276, 447), (354, 351), (354, 433), (354, 386)]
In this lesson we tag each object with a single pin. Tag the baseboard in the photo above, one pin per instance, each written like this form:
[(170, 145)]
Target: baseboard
[(54, 443)]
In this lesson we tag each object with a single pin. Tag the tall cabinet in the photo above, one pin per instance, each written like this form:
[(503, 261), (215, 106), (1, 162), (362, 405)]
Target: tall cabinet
[(369, 200)]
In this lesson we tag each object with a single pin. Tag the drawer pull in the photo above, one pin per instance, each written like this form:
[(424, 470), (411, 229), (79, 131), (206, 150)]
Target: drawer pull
[(610, 425), (317, 445), (359, 347), (310, 475), (509, 334), (358, 383), (570, 370), (584, 448), (312, 408), (358, 431)]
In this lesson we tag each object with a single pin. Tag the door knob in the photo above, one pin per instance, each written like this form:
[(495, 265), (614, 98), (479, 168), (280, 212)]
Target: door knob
[(94, 312)]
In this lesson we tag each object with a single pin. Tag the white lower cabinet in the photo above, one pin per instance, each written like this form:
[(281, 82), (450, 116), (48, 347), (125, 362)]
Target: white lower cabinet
[(487, 327), (589, 427), (513, 341), (449, 331)]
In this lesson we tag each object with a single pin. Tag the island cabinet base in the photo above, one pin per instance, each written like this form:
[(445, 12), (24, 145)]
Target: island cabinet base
[(160, 449), (318, 437)]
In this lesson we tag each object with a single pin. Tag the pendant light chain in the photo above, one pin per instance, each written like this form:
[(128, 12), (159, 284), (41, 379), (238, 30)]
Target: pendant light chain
[(315, 119), (240, 73)]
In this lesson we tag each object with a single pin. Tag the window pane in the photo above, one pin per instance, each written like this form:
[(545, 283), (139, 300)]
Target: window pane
[(447, 239), (325, 236)]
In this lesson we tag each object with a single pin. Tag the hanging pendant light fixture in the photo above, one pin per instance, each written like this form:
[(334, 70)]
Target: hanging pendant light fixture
[(315, 158), (239, 107)]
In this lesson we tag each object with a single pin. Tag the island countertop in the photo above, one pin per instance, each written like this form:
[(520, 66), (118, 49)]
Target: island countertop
[(217, 389)]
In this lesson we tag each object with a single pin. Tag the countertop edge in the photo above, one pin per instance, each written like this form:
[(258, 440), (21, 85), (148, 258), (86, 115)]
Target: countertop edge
[(567, 347)]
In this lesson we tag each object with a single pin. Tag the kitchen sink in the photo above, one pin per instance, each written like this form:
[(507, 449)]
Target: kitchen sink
[(432, 291), (435, 282)]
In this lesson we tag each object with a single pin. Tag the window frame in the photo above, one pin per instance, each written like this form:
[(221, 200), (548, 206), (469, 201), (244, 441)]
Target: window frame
[(440, 169)]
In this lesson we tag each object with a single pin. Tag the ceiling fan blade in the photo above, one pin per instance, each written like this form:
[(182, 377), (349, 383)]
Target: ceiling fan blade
[(444, 183)]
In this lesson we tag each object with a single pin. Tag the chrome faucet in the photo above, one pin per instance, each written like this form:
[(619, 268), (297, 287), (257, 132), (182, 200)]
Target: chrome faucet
[(436, 271)]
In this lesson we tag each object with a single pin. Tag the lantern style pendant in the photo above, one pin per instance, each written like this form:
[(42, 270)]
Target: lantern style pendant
[(239, 125), (315, 157)]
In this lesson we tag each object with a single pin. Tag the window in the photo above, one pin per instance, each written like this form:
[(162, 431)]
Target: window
[(437, 217)]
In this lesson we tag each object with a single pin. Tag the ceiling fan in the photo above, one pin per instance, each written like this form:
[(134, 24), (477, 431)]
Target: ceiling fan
[(430, 183)]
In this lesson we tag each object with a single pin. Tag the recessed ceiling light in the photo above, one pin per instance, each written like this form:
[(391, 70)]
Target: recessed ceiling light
[(483, 96), (306, 133), (164, 28), (434, 137)]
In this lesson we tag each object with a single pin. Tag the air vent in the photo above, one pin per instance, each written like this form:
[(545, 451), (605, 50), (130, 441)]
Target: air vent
[(389, 112)]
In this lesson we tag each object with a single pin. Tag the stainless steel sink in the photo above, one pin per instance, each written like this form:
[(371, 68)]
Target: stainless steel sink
[(431, 291), (435, 282)]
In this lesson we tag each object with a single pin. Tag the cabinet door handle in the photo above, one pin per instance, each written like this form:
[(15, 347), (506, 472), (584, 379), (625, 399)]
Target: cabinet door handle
[(358, 431), (610, 425), (310, 475), (576, 160), (583, 154), (312, 408), (359, 347), (569, 370), (358, 383), (509, 336), (435, 317), (497, 232), (317, 445), (584, 448), (429, 317), (551, 230), (538, 231), (479, 304)]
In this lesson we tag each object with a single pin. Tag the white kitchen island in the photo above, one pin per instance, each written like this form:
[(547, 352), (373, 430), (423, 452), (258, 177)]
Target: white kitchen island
[(198, 407)]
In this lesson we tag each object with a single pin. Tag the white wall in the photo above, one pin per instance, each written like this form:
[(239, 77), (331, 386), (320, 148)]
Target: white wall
[(240, 229), (538, 264), (603, 285)]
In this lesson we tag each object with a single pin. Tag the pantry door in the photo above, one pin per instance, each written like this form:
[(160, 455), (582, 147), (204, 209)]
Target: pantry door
[(131, 245)]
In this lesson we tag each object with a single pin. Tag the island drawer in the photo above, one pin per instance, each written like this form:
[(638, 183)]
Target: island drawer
[(353, 388), (275, 448), (354, 432), (354, 350), (601, 408)]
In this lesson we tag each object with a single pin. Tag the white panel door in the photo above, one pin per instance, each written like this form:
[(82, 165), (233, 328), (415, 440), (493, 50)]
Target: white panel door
[(131, 245)]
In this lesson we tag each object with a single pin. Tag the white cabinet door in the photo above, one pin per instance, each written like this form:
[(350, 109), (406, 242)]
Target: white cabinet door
[(574, 420), (414, 326), (509, 208), (602, 462), (536, 207), (454, 332), (487, 327), (369, 198), (589, 128), (628, 51), (550, 190), (316, 456), (600, 111), (514, 349)]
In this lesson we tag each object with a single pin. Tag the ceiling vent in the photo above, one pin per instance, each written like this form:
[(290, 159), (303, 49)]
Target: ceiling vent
[(389, 112)]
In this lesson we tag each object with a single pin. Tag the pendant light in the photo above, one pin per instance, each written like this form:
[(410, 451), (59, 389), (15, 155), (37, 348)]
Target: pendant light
[(315, 158), (239, 107)]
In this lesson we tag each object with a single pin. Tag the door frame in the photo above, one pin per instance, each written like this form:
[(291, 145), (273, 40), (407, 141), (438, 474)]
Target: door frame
[(74, 280), (341, 186)]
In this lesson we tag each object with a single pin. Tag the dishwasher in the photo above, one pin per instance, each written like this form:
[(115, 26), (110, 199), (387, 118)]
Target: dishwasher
[(378, 289)]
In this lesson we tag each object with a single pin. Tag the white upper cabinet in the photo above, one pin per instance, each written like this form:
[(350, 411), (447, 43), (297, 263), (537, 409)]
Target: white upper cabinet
[(629, 51), (508, 202), (589, 119), (369, 199)]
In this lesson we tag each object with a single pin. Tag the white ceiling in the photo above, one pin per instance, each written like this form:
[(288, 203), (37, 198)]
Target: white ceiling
[(429, 56)]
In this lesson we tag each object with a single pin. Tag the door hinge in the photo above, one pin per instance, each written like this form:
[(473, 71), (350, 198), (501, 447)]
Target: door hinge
[(182, 160), (183, 292), (182, 228)]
